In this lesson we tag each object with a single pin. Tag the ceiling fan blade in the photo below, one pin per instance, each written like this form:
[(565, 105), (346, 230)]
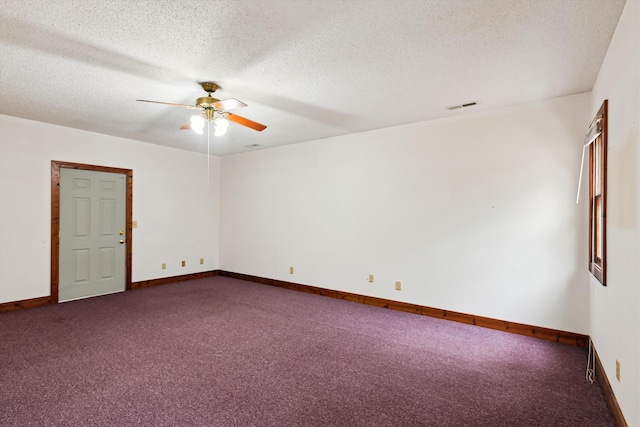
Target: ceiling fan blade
[(191, 107), (246, 122), (229, 104)]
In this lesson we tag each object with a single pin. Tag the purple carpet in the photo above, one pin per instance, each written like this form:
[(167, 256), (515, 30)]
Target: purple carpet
[(224, 352)]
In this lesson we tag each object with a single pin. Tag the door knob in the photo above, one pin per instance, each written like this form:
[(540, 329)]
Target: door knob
[(121, 241), (122, 232)]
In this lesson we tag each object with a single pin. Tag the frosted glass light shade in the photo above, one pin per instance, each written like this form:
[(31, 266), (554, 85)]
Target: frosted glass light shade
[(197, 123), (220, 124)]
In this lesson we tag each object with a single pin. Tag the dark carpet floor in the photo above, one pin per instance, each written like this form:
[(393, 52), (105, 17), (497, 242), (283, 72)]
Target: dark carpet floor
[(224, 352)]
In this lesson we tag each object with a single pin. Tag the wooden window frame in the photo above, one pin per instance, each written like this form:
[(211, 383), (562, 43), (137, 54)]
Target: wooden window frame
[(598, 200)]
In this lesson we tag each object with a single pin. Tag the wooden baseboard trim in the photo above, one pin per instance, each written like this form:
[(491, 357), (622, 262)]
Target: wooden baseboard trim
[(563, 337), (42, 301), (607, 391), (173, 279), (486, 322), (25, 303)]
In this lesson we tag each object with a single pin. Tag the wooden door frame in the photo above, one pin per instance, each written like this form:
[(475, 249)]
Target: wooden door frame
[(56, 165)]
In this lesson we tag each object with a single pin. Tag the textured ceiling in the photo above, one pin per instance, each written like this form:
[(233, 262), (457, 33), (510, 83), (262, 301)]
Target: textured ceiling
[(307, 69)]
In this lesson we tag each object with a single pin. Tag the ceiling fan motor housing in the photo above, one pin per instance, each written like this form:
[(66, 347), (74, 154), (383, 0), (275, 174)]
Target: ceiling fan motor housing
[(206, 102)]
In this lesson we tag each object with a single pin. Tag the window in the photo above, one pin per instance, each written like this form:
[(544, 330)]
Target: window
[(598, 194)]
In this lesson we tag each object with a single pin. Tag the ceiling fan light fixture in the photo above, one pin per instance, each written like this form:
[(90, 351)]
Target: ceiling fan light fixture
[(197, 123), (213, 110), (220, 124)]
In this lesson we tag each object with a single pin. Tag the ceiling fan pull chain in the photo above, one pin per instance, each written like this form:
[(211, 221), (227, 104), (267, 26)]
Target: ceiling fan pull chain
[(208, 138)]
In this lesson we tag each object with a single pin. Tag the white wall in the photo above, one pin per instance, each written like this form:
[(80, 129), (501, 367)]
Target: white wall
[(178, 216), (474, 213), (615, 309)]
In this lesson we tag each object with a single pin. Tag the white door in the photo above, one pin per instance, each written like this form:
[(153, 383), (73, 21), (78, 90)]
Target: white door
[(92, 233)]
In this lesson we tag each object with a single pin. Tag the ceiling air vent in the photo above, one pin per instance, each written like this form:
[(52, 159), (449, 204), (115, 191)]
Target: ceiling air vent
[(469, 104)]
